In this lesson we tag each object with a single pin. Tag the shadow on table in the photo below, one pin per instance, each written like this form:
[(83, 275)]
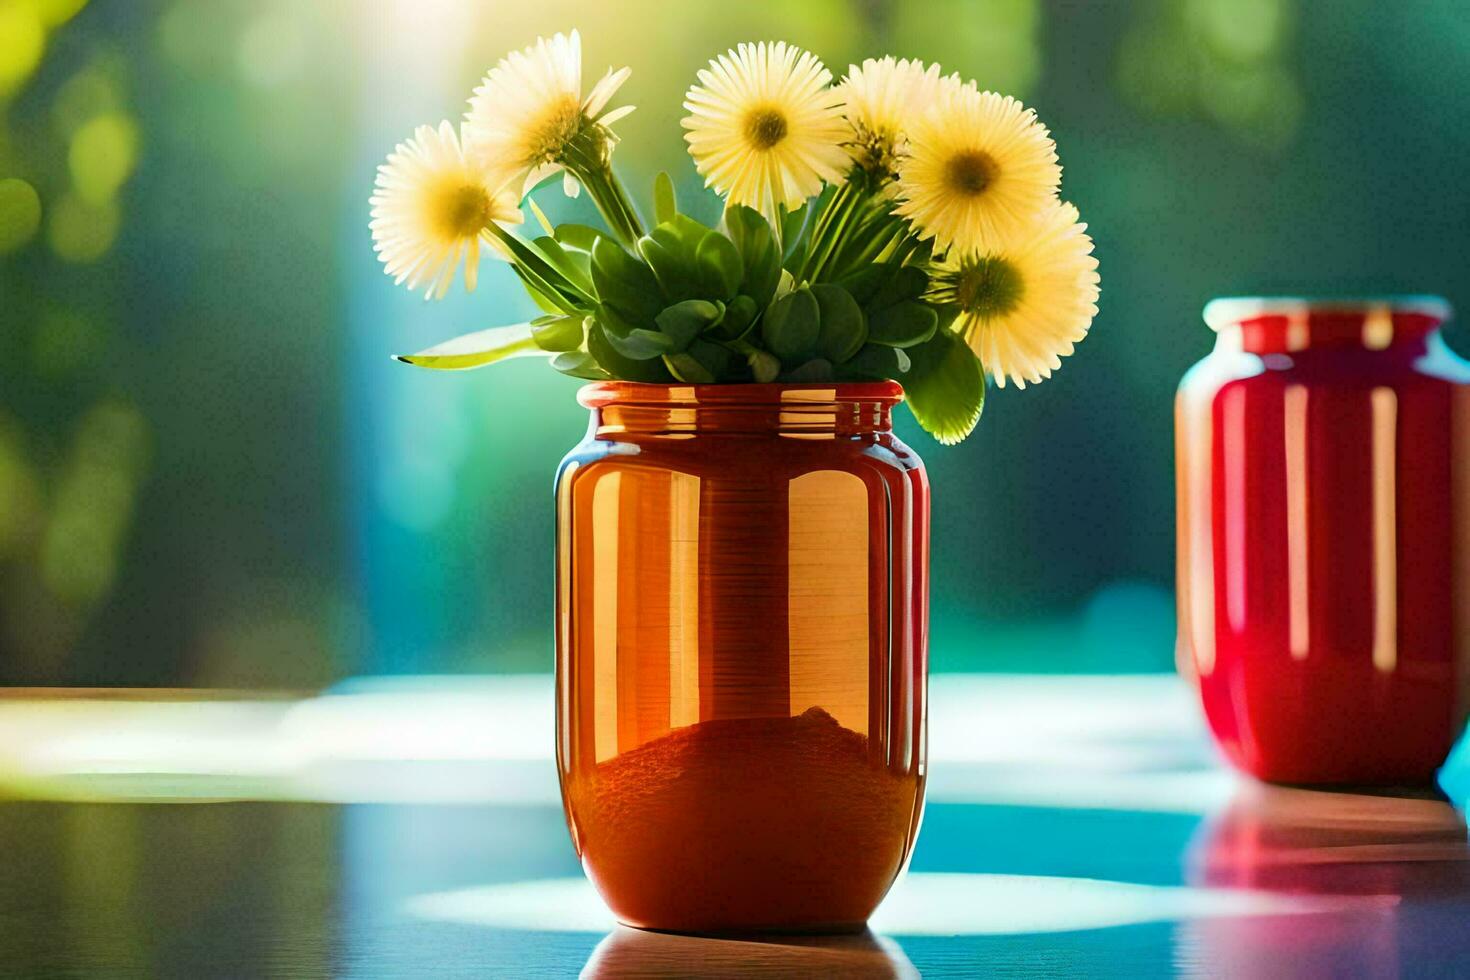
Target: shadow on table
[(629, 952)]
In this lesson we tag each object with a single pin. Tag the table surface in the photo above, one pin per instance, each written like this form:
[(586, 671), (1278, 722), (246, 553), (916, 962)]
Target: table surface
[(1076, 826)]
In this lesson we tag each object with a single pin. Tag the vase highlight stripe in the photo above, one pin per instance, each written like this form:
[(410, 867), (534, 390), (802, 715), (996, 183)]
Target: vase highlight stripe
[(827, 596), (1460, 575), (1297, 522), (683, 599), (1237, 505), (646, 630), (1385, 539), (604, 588)]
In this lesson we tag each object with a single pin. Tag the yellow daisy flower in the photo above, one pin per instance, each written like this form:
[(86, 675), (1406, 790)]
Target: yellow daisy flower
[(431, 207), (528, 110), (764, 128), (1025, 305), (978, 170), (880, 98)]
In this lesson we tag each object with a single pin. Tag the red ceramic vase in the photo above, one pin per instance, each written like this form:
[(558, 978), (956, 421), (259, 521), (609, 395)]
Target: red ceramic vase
[(1323, 454), (742, 595)]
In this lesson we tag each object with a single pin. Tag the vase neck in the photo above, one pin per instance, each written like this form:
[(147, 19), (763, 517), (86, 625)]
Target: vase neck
[(795, 410), (1288, 326)]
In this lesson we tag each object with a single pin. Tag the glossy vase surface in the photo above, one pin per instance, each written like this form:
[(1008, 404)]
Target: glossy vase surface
[(742, 602), (1323, 456)]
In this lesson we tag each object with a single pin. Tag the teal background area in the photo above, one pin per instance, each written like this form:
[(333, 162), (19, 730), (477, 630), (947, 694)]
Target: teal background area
[(212, 474)]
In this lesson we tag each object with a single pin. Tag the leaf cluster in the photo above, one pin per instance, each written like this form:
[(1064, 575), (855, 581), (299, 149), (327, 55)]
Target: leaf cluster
[(692, 304)]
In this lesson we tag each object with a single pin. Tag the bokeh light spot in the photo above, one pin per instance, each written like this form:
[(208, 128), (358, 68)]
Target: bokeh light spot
[(103, 153), (94, 91), (22, 41), (272, 49), (994, 41), (80, 231), (94, 502), (1242, 30), (20, 213), (54, 13)]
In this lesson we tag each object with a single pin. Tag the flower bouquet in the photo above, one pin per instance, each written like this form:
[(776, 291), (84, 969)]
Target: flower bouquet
[(742, 540), (900, 225)]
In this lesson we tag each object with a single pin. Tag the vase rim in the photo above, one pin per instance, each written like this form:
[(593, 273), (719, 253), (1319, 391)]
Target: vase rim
[(1229, 311), (601, 393)]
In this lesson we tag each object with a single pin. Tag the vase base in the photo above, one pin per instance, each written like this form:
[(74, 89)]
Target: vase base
[(757, 932), (1415, 787)]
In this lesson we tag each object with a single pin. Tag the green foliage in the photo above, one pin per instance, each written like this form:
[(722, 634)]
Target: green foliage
[(665, 203), (946, 389), (559, 333), (739, 303), (792, 325)]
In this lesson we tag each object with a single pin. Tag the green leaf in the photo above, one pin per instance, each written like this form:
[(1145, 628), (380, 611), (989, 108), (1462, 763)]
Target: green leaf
[(908, 282), (617, 365), (641, 344), (684, 321), (580, 237), (665, 203), (702, 363), (815, 370), (574, 266), (843, 330), (790, 326), (717, 358), (624, 282), (559, 333), (681, 232), (903, 325), (720, 266), (579, 364), (740, 314), (865, 283), (477, 349), (551, 307), (751, 235), (535, 270), (675, 272), (686, 368), (631, 340), (763, 365), (946, 387), (793, 224), (875, 363)]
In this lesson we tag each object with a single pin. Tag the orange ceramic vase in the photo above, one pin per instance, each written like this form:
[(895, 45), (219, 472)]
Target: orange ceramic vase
[(742, 605)]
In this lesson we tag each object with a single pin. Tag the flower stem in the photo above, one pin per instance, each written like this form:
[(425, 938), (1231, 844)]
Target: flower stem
[(822, 241), (846, 208), (586, 158)]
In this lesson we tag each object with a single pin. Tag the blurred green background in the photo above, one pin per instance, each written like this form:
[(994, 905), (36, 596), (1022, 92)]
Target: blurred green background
[(212, 474)]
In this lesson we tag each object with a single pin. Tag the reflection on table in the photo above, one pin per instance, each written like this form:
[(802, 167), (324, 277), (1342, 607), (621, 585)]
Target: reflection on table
[(1076, 826)]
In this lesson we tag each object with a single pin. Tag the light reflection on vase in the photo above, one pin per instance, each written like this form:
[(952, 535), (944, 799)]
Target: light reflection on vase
[(1323, 454), (742, 630)]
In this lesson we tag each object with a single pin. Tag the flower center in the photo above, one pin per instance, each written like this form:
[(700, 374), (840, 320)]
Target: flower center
[(876, 151), (463, 210), (970, 172), (765, 127), (991, 287), (560, 121)]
